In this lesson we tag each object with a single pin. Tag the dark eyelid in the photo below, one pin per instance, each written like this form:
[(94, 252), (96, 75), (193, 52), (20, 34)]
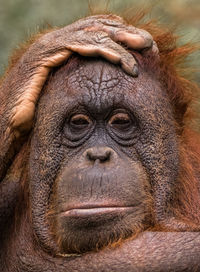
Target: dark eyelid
[(79, 117), (80, 121), (120, 116)]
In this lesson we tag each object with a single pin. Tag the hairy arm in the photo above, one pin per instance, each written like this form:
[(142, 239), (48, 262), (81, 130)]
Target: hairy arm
[(151, 251)]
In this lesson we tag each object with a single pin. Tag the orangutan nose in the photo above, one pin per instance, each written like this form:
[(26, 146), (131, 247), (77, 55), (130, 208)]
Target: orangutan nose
[(103, 154)]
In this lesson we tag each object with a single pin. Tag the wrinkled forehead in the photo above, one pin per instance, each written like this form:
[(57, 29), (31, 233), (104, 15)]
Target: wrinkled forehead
[(92, 80), (90, 75), (99, 76)]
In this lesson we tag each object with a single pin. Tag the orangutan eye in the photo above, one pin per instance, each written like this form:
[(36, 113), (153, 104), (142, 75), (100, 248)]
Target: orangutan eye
[(80, 121), (77, 129), (120, 121)]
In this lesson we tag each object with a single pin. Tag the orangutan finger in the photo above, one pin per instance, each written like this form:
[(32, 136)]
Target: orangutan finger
[(134, 41), (112, 52), (127, 61)]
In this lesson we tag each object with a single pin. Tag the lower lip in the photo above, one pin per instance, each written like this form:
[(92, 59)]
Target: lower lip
[(94, 211)]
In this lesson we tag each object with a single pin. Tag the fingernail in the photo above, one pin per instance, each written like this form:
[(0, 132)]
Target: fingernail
[(135, 70)]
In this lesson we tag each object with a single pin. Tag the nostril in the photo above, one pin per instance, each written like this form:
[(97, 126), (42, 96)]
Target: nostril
[(107, 155), (89, 155), (104, 157), (98, 154)]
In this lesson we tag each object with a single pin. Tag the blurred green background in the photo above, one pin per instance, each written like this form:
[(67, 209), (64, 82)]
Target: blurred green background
[(20, 18)]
